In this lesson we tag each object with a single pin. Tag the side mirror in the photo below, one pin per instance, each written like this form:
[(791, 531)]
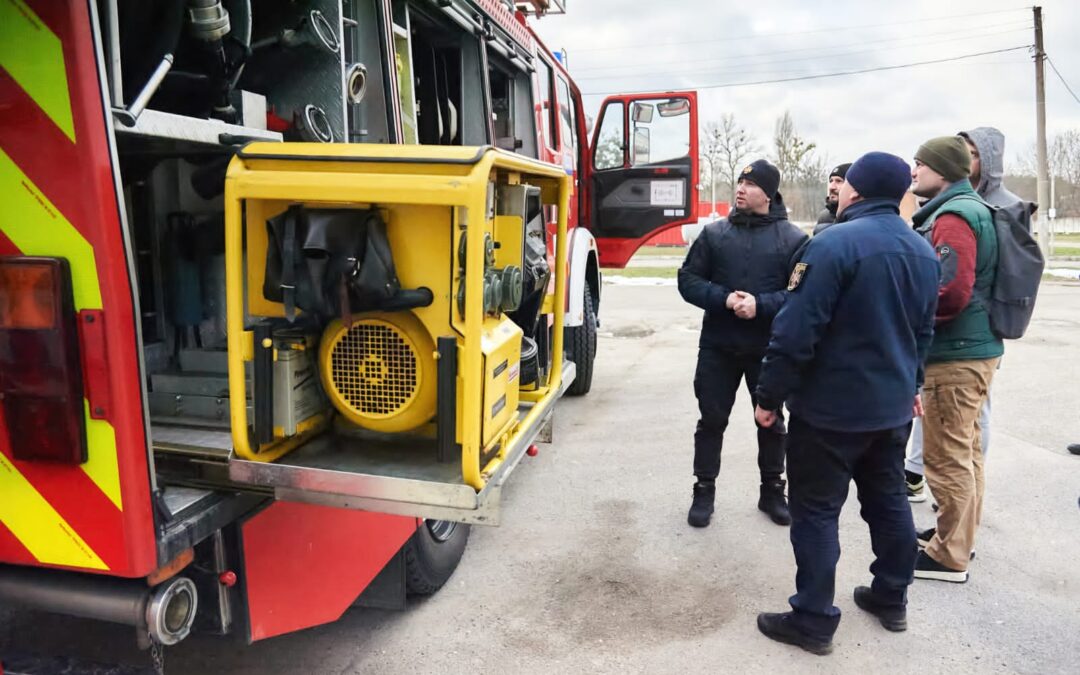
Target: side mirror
[(643, 112), (641, 146), (674, 108)]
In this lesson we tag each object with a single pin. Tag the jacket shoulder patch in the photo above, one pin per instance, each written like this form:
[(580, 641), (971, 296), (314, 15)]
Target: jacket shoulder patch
[(797, 275)]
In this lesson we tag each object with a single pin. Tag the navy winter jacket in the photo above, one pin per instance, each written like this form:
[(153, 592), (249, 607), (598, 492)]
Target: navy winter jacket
[(744, 252), (848, 347)]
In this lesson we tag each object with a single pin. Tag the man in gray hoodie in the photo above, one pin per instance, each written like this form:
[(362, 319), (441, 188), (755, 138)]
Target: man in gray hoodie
[(987, 146)]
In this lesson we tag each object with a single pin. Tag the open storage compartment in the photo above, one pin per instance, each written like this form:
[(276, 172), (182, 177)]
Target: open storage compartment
[(394, 339)]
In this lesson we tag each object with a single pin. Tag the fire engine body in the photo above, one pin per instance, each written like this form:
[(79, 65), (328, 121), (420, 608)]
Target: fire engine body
[(283, 290)]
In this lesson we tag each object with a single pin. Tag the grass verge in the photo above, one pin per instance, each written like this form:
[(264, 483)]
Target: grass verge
[(643, 272), (662, 251)]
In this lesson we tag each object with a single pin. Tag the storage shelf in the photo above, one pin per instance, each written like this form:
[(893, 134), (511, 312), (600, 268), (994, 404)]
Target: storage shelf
[(156, 124)]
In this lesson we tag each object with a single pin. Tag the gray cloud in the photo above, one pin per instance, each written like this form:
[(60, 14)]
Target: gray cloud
[(691, 43)]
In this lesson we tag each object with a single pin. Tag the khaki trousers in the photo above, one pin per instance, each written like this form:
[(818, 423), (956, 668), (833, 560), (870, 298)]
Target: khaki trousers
[(953, 394)]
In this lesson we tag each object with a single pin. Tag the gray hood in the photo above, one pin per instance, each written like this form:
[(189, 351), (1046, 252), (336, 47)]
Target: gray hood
[(991, 145)]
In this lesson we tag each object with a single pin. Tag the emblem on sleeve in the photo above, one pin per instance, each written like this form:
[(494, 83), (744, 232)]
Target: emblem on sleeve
[(797, 275)]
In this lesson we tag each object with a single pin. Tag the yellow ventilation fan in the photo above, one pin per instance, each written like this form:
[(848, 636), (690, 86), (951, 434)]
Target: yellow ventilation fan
[(380, 371)]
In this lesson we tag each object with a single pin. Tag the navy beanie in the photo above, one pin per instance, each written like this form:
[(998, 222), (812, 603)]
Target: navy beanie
[(880, 175), (764, 175)]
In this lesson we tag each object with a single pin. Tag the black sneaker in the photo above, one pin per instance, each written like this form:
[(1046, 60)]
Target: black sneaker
[(702, 508), (916, 487), (780, 628), (773, 503), (923, 539), (928, 568), (1074, 448), (891, 617)]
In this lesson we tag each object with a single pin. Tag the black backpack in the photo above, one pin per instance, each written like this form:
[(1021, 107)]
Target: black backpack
[(1019, 272), (333, 262)]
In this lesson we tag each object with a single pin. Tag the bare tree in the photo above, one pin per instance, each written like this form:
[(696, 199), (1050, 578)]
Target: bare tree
[(736, 146), (609, 151), (709, 152), (1063, 157), (725, 147), (802, 169)]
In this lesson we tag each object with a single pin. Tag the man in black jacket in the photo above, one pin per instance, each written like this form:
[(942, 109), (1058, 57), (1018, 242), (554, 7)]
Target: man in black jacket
[(832, 197), (737, 271)]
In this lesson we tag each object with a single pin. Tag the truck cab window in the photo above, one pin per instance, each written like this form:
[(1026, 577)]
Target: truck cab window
[(546, 89), (511, 106), (660, 131), (610, 150), (568, 123), (567, 118)]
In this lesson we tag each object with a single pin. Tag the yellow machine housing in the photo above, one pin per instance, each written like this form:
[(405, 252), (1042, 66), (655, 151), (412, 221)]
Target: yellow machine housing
[(501, 346), (449, 233)]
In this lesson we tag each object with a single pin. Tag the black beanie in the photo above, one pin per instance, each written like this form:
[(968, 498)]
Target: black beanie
[(764, 175), (880, 175), (948, 155), (840, 171)]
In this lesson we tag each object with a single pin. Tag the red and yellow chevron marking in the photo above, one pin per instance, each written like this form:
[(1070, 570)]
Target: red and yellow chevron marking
[(53, 184)]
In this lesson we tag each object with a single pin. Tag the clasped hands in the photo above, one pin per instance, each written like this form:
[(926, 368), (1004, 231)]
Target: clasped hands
[(743, 304)]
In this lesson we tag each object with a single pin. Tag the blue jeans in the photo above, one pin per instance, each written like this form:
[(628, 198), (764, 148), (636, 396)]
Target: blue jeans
[(821, 464)]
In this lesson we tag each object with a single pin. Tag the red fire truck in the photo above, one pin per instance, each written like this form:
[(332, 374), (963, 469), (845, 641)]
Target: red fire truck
[(168, 459)]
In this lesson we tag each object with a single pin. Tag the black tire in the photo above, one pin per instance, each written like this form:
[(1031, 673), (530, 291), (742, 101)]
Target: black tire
[(581, 347), (432, 554)]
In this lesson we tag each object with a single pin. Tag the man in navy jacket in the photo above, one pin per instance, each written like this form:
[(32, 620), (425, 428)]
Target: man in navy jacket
[(846, 355), (736, 271)]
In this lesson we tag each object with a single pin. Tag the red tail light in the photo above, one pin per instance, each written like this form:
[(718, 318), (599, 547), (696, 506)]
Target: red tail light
[(41, 388)]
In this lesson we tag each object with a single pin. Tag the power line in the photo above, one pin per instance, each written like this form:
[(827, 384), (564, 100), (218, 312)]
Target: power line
[(727, 85), (802, 58), (831, 29), (1060, 77), (1025, 25)]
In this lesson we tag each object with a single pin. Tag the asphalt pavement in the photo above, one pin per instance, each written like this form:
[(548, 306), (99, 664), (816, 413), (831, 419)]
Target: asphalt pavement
[(594, 568)]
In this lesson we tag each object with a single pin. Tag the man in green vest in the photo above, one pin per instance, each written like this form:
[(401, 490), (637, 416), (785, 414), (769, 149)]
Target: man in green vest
[(963, 355)]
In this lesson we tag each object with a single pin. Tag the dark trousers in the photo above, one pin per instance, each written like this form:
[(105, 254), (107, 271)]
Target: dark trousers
[(715, 384), (821, 464)]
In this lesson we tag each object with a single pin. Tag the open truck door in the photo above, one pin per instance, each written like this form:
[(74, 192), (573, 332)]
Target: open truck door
[(643, 170)]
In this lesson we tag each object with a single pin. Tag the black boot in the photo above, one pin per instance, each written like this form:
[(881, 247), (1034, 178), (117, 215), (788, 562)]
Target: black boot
[(780, 627), (891, 617), (772, 501), (702, 508)]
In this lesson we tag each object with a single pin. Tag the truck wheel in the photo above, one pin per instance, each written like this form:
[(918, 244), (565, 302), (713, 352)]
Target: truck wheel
[(432, 554), (581, 347)]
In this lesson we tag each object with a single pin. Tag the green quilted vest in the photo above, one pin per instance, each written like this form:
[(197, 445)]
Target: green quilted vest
[(968, 336)]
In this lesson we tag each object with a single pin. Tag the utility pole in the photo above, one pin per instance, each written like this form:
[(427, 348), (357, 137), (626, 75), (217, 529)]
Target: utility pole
[(1043, 183)]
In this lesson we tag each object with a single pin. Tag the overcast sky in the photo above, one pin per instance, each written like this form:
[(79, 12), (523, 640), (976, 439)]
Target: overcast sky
[(617, 46)]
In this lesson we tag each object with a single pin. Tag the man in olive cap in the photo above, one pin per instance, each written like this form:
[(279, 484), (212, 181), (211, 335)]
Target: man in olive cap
[(963, 355)]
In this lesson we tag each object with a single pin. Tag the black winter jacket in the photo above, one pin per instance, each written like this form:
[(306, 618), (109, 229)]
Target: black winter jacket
[(744, 252)]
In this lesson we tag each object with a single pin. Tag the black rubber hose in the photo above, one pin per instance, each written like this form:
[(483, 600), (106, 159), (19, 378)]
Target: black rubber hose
[(170, 32)]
